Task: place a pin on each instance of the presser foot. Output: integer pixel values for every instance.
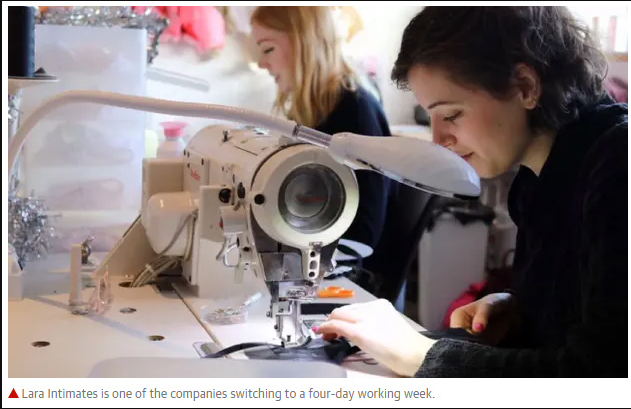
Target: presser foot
(290, 329)
(297, 341)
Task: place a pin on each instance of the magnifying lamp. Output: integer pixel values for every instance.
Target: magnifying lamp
(413, 161)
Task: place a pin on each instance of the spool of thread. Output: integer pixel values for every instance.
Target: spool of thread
(21, 41)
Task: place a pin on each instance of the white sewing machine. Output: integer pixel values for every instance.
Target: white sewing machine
(280, 206)
(277, 197)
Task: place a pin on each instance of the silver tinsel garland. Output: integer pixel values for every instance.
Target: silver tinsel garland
(14, 112)
(108, 17)
(29, 229)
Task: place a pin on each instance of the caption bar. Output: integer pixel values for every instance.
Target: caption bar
(268, 394)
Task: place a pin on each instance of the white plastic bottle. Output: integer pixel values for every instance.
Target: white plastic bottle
(173, 144)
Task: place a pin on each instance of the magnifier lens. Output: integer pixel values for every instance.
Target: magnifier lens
(311, 198)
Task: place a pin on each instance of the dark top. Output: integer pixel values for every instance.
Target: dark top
(570, 272)
(360, 113)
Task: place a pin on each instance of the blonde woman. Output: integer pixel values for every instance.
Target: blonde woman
(317, 88)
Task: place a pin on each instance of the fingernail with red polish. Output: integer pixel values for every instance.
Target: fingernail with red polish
(314, 329)
(478, 327)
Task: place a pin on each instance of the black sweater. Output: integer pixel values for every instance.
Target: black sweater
(360, 113)
(570, 273)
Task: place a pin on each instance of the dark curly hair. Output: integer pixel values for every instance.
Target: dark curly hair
(480, 47)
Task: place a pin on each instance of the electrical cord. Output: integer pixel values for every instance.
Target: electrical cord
(162, 262)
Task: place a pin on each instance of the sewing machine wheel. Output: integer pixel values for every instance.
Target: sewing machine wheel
(311, 198)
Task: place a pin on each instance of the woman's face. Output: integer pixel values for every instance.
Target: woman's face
(492, 135)
(275, 54)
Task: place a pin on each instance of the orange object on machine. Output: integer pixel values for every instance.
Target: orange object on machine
(336, 292)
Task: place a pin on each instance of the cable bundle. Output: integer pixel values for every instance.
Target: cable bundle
(163, 263)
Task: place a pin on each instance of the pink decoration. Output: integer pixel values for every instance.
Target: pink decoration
(203, 27)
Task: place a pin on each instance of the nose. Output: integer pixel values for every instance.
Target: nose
(442, 138)
(264, 62)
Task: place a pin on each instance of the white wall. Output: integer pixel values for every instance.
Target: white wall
(232, 83)
(384, 27)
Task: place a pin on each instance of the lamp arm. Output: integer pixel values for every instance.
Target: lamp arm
(160, 106)
(409, 160)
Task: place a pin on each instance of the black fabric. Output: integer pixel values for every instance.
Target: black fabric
(240, 347)
(316, 350)
(313, 350)
(570, 270)
(360, 113)
(335, 351)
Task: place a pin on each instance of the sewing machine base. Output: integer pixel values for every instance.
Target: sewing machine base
(150, 367)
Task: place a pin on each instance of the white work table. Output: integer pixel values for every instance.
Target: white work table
(77, 343)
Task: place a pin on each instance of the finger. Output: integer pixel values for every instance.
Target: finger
(339, 329)
(380, 304)
(327, 337)
(345, 313)
(460, 318)
(481, 318)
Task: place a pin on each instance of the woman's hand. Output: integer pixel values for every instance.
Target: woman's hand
(490, 317)
(381, 332)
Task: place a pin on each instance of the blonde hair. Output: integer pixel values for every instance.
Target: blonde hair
(319, 69)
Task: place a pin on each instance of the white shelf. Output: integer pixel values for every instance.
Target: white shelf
(17, 84)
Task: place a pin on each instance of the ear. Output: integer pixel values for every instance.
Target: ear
(528, 85)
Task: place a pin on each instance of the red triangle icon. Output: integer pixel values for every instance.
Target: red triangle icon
(13, 394)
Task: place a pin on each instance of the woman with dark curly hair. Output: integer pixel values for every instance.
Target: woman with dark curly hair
(521, 86)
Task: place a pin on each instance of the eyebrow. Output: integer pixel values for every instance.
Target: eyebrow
(263, 39)
(438, 103)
